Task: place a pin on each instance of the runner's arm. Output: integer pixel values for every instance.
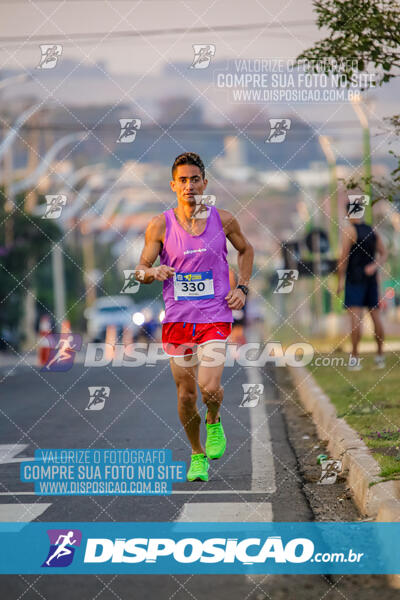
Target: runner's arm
(382, 252)
(152, 248)
(241, 244)
(379, 260)
(349, 238)
(236, 298)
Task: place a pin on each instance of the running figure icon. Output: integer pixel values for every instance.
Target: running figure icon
(65, 349)
(286, 281)
(62, 549)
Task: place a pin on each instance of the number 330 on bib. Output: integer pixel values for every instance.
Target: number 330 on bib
(193, 286)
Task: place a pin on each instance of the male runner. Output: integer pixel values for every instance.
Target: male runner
(362, 254)
(198, 301)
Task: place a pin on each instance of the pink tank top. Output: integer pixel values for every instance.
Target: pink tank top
(197, 292)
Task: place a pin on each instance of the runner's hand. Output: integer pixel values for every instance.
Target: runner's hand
(370, 269)
(162, 272)
(340, 286)
(236, 299)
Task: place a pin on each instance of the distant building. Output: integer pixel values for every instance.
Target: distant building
(233, 165)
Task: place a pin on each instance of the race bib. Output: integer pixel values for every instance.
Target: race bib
(193, 286)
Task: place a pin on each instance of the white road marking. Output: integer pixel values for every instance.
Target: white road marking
(8, 452)
(21, 512)
(17, 494)
(18, 512)
(219, 512)
(262, 459)
(263, 471)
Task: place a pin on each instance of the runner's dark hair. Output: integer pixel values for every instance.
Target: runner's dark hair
(188, 158)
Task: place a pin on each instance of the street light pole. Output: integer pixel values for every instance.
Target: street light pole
(326, 146)
(14, 79)
(362, 117)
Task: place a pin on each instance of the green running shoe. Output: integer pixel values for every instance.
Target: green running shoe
(216, 440)
(198, 468)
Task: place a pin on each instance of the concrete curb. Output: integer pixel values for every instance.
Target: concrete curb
(380, 501)
(344, 443)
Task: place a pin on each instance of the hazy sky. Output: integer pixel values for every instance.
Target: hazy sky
(288, 27)
(35, 18)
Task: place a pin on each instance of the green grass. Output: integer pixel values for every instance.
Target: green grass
(369, 402)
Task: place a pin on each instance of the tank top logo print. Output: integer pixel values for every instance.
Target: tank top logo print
(195, 250)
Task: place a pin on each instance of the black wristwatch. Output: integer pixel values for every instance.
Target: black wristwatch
(244, 289)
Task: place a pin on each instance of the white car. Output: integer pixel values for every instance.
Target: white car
(110, 310)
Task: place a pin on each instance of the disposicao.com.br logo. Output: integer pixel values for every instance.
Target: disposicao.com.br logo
(247, 551)
(191, 547)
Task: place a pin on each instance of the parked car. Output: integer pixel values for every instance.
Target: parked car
(110, 310)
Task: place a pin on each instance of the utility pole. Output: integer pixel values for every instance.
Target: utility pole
(33, 161)
(9, 200)
(58, 282)
(88, 265)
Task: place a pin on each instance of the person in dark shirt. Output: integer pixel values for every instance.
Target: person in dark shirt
(363, 252)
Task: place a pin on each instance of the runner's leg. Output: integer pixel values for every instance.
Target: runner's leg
(355, 313)
(185, 379)
(211, 366)
(379, 333)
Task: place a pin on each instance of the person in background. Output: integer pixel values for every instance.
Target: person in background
(362, 254)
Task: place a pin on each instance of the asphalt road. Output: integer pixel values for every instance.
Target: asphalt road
(262, 476)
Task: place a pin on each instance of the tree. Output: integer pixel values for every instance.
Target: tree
(364, 34)
(31, 245)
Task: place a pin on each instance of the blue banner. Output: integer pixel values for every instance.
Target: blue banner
(215, 548)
